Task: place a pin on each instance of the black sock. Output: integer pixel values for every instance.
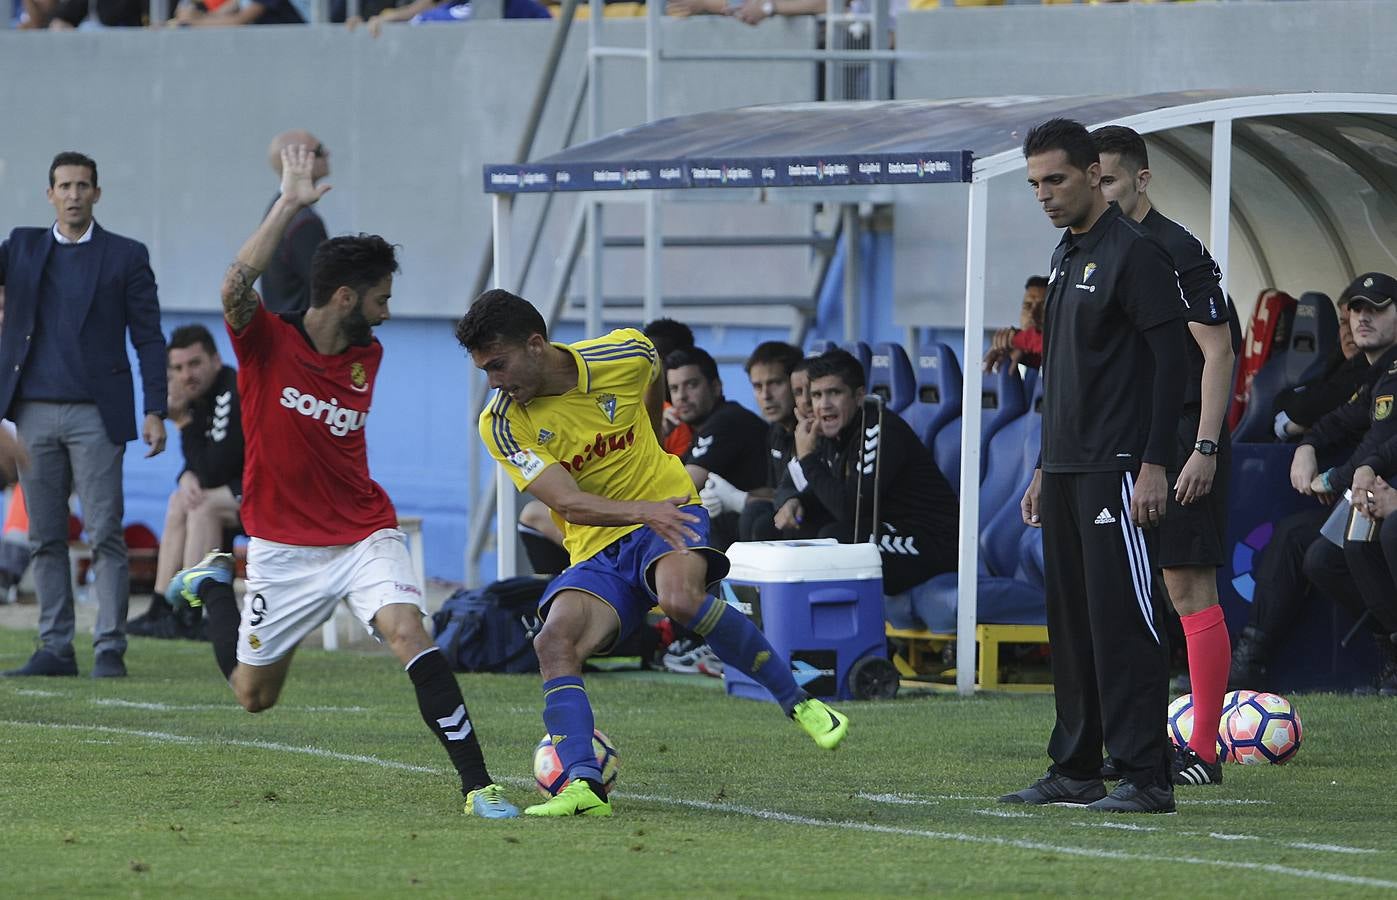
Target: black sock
(444, 710)
(221, 619)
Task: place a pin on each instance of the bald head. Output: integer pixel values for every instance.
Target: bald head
(305, 139)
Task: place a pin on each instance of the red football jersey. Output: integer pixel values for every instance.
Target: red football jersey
(306, 466)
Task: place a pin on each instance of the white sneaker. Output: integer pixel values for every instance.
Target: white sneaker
(682, 656)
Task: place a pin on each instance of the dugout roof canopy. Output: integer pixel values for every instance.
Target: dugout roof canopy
(1334, 154)
(928, 141)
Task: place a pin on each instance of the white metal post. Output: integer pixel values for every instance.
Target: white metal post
(1220, 206)
(595, 223)
(969, 560)
(506, 509)
(654, 223)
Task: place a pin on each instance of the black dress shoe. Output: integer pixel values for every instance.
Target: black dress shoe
(108, 664)
(45, 662)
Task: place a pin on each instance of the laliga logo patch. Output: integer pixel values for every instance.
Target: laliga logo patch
(1382, 407)
(607, 404)
(358, 378)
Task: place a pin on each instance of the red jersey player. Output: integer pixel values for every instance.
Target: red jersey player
(321, 529)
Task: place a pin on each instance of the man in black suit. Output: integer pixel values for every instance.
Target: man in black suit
(72, 294)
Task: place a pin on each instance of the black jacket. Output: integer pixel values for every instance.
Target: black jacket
(917, 511)
(1367, 419)
(212, 442)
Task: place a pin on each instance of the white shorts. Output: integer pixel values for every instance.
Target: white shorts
(293, 590)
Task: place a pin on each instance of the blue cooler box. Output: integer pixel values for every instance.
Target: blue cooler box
(819, 603)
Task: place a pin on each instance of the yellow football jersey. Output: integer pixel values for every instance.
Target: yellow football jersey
(599, 432)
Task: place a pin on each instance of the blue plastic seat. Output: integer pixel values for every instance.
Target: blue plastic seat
(1002, 400)
(891, 376)
(936, 401)
(1314, 336)
(815, 347)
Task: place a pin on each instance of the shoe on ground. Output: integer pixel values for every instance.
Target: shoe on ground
(1190, 768)
(1133, 798)
(682, 656)
(46, 662)
(183, 592)
(1059, 790)
(708, 662)
(825, 725)
(1109, 772)
(108, 664)
(489, 803)
(577, 799)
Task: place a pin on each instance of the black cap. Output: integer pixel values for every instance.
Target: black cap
(1374, 288)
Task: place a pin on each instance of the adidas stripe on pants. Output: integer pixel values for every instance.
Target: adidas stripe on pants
(1109, 649)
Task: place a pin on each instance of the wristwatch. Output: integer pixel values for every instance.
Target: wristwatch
(1206, 447)
(768, 8)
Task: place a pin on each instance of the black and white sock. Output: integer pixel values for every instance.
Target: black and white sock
(444, 710)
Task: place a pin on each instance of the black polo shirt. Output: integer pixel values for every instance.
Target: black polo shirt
(1368, 418)
(780, 447)
(730, 443)
(1107, 287)
(1200, 282)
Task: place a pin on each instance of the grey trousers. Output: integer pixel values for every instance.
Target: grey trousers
(69, 451)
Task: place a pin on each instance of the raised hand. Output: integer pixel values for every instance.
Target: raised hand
(297, 183)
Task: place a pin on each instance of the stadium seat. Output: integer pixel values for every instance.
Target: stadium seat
(1002, 400)
(1009, 457)
(891, 376)
(816, 347)
(937, 383)
(1313, 339)
(863, 354)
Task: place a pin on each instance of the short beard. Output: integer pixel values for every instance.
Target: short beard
(356, 327)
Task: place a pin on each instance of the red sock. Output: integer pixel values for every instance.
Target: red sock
(1209, 656)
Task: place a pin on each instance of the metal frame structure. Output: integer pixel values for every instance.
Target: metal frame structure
(1156, 114)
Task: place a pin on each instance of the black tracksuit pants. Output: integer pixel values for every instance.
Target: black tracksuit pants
(1110, 655)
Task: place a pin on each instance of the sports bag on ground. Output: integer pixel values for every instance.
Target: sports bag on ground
(491, 629)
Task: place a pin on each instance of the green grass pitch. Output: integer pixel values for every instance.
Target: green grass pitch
(160, 786)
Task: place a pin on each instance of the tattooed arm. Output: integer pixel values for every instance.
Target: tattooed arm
(298, 190)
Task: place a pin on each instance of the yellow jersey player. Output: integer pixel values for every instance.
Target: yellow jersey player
(575, 425)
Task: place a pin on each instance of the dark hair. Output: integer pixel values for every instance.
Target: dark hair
(693, 356)
(802, 366)
(1062, 134)
(73, 158)
(355, 261)
(499, 317)
(189, 335)
(837, 362)
(1125, 142)
(668, 335)
(777, 352)
(1035, 281)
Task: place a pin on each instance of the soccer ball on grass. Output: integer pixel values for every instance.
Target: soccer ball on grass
(548, 770)
(1264, 728)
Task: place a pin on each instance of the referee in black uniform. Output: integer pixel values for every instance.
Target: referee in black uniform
(1191, 538)
(1113, 360)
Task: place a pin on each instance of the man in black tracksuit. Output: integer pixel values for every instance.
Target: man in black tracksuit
(1113, 358)
(846, 457)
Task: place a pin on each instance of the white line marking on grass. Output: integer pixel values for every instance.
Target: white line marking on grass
(1330, 848)
(1017, 843)
(764, 814)
(934, 799)
(1120, 826)
(915, 800)
(33, 692)
(233, 742)
(206, 707)
(1003, 814)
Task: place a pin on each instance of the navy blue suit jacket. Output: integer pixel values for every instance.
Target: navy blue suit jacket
(121, 299)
